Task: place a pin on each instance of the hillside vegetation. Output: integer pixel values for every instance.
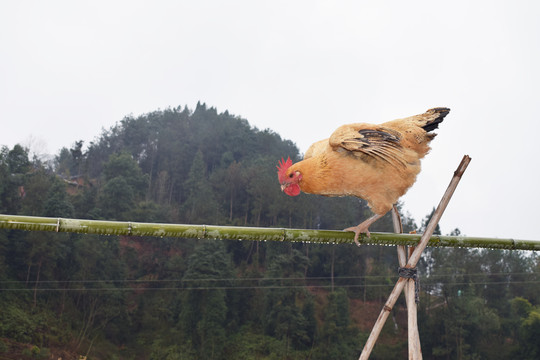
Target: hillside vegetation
(110, 297)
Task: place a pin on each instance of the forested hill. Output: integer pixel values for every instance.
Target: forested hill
(183, 166)
(147, 298)
(196, 166)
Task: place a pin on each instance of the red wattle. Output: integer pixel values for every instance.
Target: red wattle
(292, 190)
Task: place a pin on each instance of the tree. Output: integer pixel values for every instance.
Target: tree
(77, 156)
(36, 187)
(337, 338)
(425, 223)
(200, 205)
(124, 187)
(122, 165)
(205, 308)
(64, 163)
(9, 184)
(229, 182)
(57, 203)
(17, 160)
(288, 314)
(117, 198)
(530, 335)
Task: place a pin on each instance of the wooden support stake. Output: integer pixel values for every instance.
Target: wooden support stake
(415, 351)
(414, 258)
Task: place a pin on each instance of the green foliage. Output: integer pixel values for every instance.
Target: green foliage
(470, 310)
(124, 186)
(289, 309)
(3, 346)
(164, 351)
(57, 203)
(35, 190)
(530, 334)
(200, 204)
(338, 338)
(17, 160)
(425, 223)
(205, 308)
(520, 307)
(21, 323)
(17, 324)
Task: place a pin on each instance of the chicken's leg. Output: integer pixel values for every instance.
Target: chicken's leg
(363, 227)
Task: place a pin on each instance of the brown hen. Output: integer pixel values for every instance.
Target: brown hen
(378, 163)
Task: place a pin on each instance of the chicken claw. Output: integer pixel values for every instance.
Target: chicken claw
(359, 229)
(363, 227)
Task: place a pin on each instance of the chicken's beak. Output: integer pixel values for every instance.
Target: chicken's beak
(283, 187)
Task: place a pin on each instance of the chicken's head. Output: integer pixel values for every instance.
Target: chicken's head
(288, 177)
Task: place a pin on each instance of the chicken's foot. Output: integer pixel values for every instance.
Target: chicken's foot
(363, 227)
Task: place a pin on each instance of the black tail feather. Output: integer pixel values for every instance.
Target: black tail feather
(434, 124)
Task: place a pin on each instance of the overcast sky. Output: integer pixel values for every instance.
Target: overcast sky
(301, 68)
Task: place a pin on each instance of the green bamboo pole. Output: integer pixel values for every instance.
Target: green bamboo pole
(129, 228)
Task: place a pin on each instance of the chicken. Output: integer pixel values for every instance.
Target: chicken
(377, 163)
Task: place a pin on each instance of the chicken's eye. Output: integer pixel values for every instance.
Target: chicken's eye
(291, 175)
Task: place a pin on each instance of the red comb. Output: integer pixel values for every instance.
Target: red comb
(282, 168)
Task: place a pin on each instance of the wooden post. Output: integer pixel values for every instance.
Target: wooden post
(415, 351)
(414, 258)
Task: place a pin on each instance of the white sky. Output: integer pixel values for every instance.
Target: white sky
(302, 68)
